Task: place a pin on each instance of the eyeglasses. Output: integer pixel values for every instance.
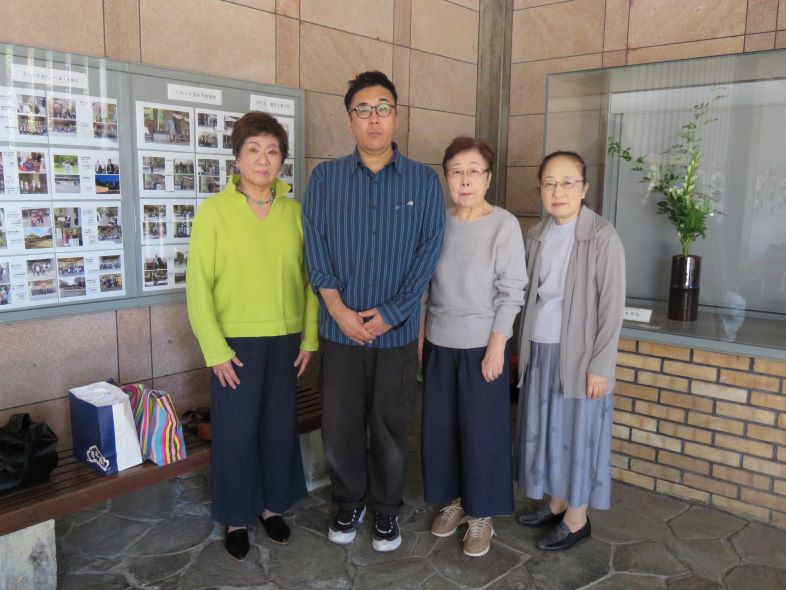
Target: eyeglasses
(364, 111)
(549, 185)
(472, 173)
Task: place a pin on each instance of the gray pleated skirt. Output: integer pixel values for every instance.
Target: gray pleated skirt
(563, 445)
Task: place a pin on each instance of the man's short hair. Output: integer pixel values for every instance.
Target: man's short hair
(258, 123)
(367, 80)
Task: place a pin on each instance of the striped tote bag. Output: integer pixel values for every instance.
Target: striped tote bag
(159, 428)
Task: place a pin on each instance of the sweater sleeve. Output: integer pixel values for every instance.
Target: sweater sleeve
(200, 280)
(611, 304)
(310, 340)
(510, 268)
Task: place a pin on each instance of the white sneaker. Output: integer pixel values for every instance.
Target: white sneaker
(387, 536)
(345, 525)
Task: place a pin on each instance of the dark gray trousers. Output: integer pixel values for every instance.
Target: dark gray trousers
(256, 460)
(368, 395)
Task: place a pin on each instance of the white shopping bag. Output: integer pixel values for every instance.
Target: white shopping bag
(103, 428)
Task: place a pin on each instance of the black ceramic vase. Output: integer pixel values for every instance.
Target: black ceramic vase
(684, 288)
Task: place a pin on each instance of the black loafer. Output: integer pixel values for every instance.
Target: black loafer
(236, 543)
(561, 538)
(541, 516)
(276, 528)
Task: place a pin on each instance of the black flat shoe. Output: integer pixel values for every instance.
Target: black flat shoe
(276, 528)
(236, 543)
(561, 538)
(541, 516)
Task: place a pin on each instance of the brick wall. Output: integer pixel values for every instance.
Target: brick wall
(702, 425)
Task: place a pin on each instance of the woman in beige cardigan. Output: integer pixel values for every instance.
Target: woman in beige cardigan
(568, 347)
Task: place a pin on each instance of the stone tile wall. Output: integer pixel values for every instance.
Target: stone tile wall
(702, 425)
(429, 47)
(551, 36)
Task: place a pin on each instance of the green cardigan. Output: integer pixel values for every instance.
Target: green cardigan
(247, 277)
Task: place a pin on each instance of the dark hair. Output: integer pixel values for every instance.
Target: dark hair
(465, 143)
(367, 80)
(566, 154)
(257, 123)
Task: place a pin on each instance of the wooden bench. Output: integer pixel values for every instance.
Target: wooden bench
(74, 485)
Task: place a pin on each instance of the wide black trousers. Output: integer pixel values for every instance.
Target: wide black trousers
(256, 460)
(466, 439)
(368, 395)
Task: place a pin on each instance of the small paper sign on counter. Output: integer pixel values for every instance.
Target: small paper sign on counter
(637, 314)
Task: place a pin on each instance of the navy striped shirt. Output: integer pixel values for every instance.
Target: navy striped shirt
(375, 238)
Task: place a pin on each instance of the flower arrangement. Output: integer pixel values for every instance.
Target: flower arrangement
(686, 207)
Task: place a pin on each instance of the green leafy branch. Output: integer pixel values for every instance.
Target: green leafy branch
(686, 207)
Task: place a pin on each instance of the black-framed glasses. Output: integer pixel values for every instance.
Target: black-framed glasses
(566, 184)
(363, 111)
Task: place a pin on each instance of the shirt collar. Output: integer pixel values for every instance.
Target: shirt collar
(396, 160)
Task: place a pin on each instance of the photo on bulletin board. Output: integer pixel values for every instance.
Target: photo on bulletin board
(214, 130)
(32, 171)
(164, 126)
(289, 126)
(209, 176)
(166, 174)
(87, 173)
(75, 119)
(31, 115)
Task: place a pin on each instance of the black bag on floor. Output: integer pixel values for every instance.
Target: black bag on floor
(28, 452)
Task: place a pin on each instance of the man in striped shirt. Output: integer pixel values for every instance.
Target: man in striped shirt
(373, 222)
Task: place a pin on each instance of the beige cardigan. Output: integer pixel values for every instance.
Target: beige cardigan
(593, 306)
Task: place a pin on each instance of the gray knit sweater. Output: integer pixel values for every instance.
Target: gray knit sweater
(478, 285)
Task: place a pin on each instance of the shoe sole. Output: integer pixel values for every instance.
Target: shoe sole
(449, 533)
(341, 538)
(555, 549)
(384, 545)
(481, 554)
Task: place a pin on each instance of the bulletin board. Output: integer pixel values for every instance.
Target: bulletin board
(103, 165)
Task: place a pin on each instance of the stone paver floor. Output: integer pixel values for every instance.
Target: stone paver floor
(162, 538)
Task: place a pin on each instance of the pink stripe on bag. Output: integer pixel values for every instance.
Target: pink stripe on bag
(159, 428)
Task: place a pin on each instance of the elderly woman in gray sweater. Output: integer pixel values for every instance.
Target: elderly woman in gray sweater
(570, 329)
(475, 294)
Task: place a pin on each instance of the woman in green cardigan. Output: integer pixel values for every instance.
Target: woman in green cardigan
(254, 315)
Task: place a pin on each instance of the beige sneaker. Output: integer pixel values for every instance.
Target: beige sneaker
(477, 541)
(448, 519)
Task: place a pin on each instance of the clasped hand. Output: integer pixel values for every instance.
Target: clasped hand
(361, 326)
